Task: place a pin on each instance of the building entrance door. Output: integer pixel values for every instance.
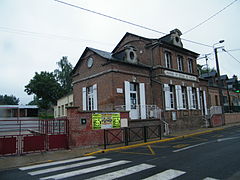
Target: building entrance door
(134, 112)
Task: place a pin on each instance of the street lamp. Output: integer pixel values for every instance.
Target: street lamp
(218, 73)
(216, 57)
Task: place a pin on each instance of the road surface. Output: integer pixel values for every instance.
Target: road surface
(209, 156)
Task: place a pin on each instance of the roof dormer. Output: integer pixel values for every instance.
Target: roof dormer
(173, 38)
(130, 54)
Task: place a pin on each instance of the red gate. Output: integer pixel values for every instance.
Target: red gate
(19, 136)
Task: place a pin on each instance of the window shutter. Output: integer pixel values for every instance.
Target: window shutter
(205, 102)
(198, 99)
(180, 97)
(177, 96)
(167, 97)
(190, 99)
(84, 98)
(95, 97)
(142, 100)
(127, 95)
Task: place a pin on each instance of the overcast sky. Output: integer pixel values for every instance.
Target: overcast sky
(35, 34)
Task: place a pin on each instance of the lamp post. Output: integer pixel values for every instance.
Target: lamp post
(218, 74)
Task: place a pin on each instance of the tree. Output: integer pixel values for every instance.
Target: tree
(63, 75)
(46, 89)
(8, 100)
(203, 70)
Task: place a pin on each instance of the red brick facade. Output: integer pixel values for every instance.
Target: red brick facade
(160, 82)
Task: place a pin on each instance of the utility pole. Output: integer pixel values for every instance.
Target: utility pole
(218, 75)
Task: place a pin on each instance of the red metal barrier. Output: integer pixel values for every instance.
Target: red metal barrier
(19, 136)
(59, 141)
(8, 145)
(33, 143)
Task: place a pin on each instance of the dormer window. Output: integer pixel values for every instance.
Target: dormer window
(131, 55)
(168, 59)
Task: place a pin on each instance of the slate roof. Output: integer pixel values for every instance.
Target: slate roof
(104, 54)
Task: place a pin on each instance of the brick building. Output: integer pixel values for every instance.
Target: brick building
(142, 75)
(231, 99)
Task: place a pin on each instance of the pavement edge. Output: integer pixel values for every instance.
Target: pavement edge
(152, 142)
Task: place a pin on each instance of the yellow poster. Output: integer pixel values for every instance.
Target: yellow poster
(106, 120)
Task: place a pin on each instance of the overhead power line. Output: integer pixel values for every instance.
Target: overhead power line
(231, 56)
(210, 17)
(46, 35)
(126, 22)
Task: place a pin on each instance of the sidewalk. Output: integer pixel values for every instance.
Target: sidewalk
(8, 162)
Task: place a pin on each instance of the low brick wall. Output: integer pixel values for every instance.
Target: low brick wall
(144, 122)
(184, 123)
(231, 118)
(82, 134)
(217, 120)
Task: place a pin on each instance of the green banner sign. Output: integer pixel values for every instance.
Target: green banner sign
(106, 120)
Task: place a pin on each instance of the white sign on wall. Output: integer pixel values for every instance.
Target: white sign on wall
(119, 90)
(124, 122)
(180, 75)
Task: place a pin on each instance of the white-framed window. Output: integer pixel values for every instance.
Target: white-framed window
(180, 63)
(171, 96)
(194, 98)
(90, 101)
(190, 65)
(184, 97)
(89, 98)
(168, 59)
(62, 107)
(59, 111)
(133, 95)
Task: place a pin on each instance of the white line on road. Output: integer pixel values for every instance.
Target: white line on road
(209, 178)
(225, 139)
(196, 145)
(86, 170)
(189, 147)
(166, 175)
(123, 172)
(48, 170)
(56, 163)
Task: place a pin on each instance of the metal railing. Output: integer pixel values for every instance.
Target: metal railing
(231, 109)
(152, 111)
(166, 128)
(131, 134)
(215, 110)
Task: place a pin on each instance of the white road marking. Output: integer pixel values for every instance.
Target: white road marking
(196, 145)
(86, 170)
(123, 172)
(166, 175)
(189, 147)
(48, 170)
(209, 178)
(56, 163)
(225, 139)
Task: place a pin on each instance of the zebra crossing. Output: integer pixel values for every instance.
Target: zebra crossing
(80, 167)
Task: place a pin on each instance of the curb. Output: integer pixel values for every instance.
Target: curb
(152, 142)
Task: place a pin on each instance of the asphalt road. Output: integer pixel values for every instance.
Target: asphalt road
(209, 156)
